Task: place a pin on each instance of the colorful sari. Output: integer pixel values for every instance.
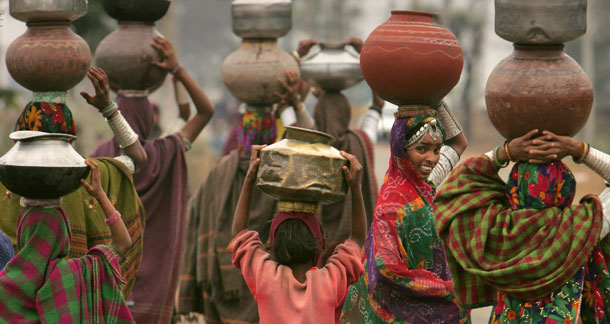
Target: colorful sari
(39, 285)
(512, 256)
(87, 220)
(406, 277)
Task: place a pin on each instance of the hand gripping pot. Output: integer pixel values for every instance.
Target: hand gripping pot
(42, 165)
(302, 167)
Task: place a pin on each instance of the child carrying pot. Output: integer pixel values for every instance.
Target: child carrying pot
(285, 283)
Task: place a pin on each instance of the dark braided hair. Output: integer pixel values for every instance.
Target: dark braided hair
(293, 243)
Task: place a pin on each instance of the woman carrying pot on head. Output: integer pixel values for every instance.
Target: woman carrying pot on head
(522, 245)
(84, 212)
(406, 275)
(41, 285)
(162, 186)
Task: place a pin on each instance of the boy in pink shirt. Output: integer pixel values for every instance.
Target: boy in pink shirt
(285, 283)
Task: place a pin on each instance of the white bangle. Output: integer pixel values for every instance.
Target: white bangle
(122, 131)
(599, 162)
(450, 124)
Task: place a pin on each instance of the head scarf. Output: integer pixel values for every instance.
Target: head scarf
(406, 274)
(540, 186)
(46, 117)
(257, 128)
(311, 220)
(161, 185)
(6, 250)
(40, 285)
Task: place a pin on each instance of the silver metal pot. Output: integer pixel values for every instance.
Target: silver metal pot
(42, 165)
(334, 67)
(541, 21)
(302, 167)
(47, 10)
(261, 18)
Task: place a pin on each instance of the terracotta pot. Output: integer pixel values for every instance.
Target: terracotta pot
(136, 10)
(47, 10)
(251, 73)
(538, 87)
(48, 57)
(125, 55)
(540, 21)
(412, 59)
(261, 18)
(302, 167)
(334, 67)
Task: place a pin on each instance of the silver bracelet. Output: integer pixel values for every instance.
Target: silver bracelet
(448, 160)
(122, 131)
(599, 162)
(450, 124)
(605, 199)
(128, 162)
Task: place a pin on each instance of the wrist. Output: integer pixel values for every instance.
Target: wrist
(175, 70)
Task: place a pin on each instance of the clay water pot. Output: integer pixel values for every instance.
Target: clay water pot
(261, 18)
(47, 10)
(538, 87)
(251, 73)
(412, 59)
(302, 167)
(136, 10)
(42, 165)
(125, 55)
(334, 67)
(49, 56)
(540, 21)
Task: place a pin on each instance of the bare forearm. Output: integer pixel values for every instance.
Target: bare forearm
(118, 231)
(358, 217)
(459, 143)
(205, 108)
(242, 211)
(136, 152)
(184, 111)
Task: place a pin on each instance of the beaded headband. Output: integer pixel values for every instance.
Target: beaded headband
(430, 128)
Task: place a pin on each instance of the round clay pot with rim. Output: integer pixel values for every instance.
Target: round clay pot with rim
(136, 10)
(49, 56)
(412, 59)
(251, 73)
(125, 55)
(540, 21)
(538, 87)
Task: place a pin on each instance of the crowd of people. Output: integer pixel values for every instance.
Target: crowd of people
(438, 239)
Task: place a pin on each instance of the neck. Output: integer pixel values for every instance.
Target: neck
(299, 270)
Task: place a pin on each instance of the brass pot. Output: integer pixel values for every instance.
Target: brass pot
(125, 55)
(47, 10)
(303, 167)
(42, 165)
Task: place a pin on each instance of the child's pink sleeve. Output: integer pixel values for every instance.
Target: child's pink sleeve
(249, 255)
(344, 267)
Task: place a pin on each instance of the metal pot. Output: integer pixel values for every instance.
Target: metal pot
(334, 67)
(47, 10)
(136, 10)
(125, 55)
(42, 165)
(261, 18)
(302, 167)
(251, 73)
(541, 21)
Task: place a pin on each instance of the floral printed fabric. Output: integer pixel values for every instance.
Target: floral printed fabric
(540, 186)
(257, 128)
(46, 117)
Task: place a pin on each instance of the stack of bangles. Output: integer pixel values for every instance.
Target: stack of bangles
(585, 151)
(114, 218)
(109, 110)
(506, 150)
